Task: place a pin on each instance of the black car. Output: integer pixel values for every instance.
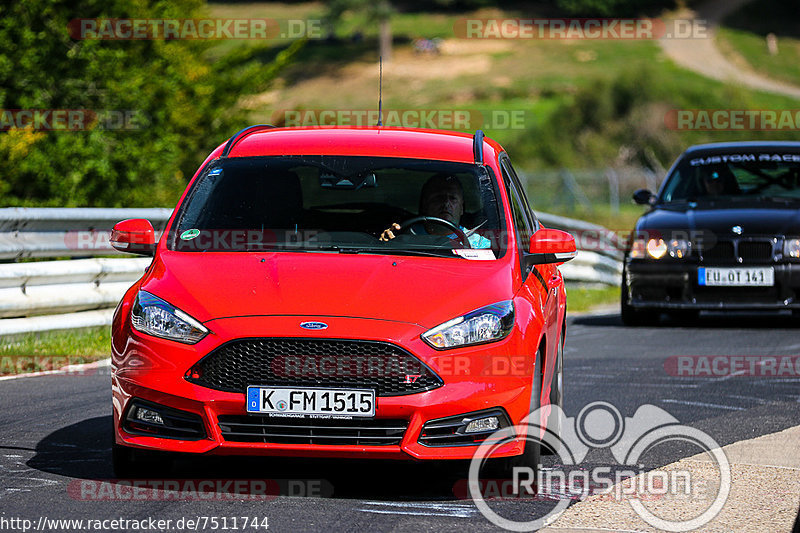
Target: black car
(723, 233)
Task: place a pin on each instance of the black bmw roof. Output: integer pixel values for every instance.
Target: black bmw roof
(748, 145)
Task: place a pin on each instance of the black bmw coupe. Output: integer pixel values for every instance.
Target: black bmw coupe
(722, 233)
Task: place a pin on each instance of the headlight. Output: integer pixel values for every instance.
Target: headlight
(791, 248)
(656, 248)
(156, 317)
(487, 324)
(678, 248)
(638, 249)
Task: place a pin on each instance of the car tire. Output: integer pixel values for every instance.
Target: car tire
(631, 316)
(134, 463)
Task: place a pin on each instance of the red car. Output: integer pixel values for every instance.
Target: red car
(340, 292)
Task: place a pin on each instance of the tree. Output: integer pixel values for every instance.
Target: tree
(379, 12)
(178, 103)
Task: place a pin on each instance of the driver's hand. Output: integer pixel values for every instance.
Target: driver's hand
(388, 234)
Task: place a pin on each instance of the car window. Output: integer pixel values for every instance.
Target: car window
(734, 177)
(323, 203)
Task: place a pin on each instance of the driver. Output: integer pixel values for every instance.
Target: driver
(442, 197)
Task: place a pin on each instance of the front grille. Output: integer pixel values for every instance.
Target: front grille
(753, 251)
(368, 432)
(730, 252)
(384, 367)
(719, 252)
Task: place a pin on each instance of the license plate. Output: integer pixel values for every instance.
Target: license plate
(736, 277)
(311, 401)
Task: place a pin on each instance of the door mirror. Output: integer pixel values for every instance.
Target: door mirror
(644, 197)
(551, 246)
(135, 236)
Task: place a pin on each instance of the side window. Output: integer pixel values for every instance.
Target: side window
(522, 224)
(506, 162)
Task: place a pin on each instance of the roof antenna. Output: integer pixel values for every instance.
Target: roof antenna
(380, 91)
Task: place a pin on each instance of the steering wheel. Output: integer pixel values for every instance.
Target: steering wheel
(408, 226)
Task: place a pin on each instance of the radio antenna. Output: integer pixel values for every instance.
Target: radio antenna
(380, 90)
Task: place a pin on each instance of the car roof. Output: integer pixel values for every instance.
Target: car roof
(411, 143)
(729, 146)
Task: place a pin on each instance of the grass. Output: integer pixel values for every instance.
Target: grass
(581, 298)
(752, 48)
(52, 350)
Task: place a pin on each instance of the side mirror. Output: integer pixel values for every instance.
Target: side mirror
(135, 236)
(644, 197)
(551, 246)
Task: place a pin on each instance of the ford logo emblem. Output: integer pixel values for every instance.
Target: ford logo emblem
(314, 325)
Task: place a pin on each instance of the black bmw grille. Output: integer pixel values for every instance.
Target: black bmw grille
(755, 251)
(367, 432)
(384, 367)
(729, 252)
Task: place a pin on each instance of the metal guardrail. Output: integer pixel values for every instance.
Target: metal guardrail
(66, 232)
(74, 293)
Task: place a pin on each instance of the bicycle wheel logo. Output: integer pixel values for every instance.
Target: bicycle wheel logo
(600, 425)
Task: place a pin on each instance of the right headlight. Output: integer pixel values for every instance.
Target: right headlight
(487, 324)
(791, 248)
(154, 316)
(659, 248)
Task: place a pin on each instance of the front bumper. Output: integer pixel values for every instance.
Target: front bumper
(672, 285)
(153, 370)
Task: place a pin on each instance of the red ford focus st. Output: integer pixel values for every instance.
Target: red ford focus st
(340, 292)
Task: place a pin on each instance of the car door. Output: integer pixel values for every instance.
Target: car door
(542, 282)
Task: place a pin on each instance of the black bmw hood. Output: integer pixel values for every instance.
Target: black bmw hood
(718, 219)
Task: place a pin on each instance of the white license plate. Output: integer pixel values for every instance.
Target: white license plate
(311, 401)
(736, 277)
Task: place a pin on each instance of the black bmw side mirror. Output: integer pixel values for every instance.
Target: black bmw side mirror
(644, 197)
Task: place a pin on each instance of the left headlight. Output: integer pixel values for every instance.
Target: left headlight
(154, 316)
(487, 324)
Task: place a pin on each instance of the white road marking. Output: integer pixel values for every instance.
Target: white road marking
(703, 404)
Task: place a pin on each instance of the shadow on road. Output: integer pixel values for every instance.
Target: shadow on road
(83, 451)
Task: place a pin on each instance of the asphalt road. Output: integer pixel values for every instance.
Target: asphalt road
(55, 444)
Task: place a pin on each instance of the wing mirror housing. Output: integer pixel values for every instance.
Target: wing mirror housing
(551, 246)
(134, 236)
(644, 197)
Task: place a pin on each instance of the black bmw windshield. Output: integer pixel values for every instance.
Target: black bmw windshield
(339, 204)
(733, 177)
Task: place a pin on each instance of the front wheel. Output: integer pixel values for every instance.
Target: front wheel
(136, 463)
(631, 316)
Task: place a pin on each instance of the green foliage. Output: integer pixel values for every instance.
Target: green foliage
(181, 103)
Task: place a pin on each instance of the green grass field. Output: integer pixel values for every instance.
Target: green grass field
(52, 350)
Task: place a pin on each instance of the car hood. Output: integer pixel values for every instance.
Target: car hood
(420, 290)
(718, 219)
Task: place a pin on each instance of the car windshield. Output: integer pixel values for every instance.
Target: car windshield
(734, 176)
(341, 204)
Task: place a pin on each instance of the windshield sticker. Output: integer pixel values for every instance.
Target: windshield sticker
(742, 158)
(215, 172)
(190, 234)
(475, 254)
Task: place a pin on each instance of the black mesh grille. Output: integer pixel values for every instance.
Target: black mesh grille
(369, 432)
(384, 367)
(720, 252)
(751, 251)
